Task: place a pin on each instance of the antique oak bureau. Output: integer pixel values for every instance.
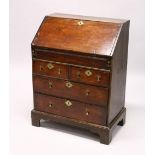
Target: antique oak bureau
(79, 72)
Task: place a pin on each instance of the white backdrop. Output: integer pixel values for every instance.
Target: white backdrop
(25, 18)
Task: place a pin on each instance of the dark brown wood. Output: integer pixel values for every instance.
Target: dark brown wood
(80, 92)
(69, 58)
(78, 110)
(50, 69)
(79, 72)
(118, 74)
(99, 78)
(88, 37)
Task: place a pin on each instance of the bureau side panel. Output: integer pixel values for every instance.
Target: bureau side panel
(118, 74)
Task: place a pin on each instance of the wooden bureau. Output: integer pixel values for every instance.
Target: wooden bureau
(79, 69)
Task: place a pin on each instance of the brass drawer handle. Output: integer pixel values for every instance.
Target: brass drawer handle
(87, 112)
(88, 72)
(50, 66)
(78, 75)
(69, 84)
(50, 104)
(59, 71)
(87, 92)
(50, 84)
(98, 77)
(68, 103)
(109, 62)
(41, 68)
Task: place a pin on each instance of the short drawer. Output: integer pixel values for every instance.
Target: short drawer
(70, 109)
(72, 90)
(90, 76)
(50, 69)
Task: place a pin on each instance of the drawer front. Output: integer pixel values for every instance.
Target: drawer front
(50, 69)
(89, 76)
(72, 90)
(70, 109)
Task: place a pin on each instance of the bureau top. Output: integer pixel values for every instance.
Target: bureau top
(79, 34)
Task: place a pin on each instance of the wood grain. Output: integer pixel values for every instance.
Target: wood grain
(56, 70)
(78, 110)
(64, 33)
(99, 78)
(96, 95)
(81, 61)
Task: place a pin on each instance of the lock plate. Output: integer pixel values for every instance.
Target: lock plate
(69, 84)
(68, 103)
(88, 72)
(50, 66)
(80, 23)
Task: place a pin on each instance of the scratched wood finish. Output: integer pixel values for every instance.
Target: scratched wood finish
(78, 110)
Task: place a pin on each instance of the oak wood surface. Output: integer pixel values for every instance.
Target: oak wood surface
(50, 69)
(96, 95)
(89, 37)
(118, 74)
(71, 58)
(78, 110)
(82, 60)
(99, 78)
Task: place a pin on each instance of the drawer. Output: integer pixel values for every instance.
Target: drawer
(89, 76)
(50, 69)
(70, 109)
(72, 90)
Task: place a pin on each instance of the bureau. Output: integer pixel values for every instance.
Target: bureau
(79, 69)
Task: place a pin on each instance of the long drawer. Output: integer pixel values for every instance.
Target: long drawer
(63, 88)
(70, 109)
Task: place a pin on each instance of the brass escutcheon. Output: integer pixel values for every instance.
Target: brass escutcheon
(50, 66)
(68, 103)
(80, 23)
(69, 84)
(88, 72)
